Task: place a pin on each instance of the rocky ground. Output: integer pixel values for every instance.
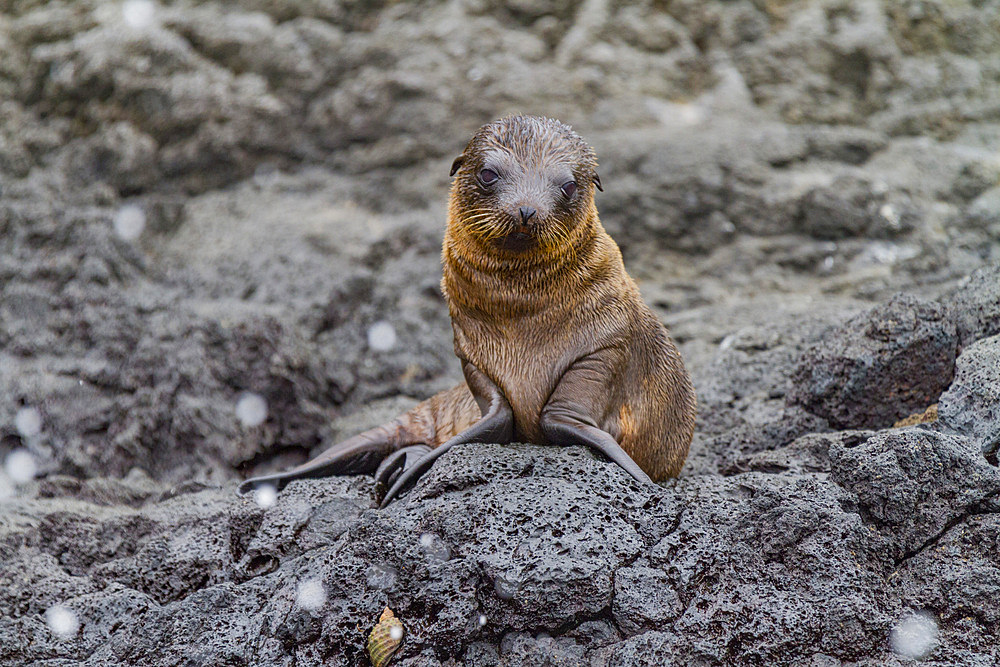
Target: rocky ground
(204, 201)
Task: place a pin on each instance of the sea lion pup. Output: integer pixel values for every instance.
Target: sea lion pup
(556, 345)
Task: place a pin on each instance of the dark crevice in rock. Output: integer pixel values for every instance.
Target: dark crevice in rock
(979, 509)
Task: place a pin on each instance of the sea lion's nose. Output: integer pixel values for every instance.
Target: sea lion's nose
(526, 213)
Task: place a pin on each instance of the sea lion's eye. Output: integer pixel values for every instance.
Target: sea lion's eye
(568, 189)
(488, 177)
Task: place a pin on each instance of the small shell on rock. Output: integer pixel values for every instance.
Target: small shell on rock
(385, 639)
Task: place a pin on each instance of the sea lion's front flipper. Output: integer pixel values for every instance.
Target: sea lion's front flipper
(360, 455)
(496, 425)
(567, 418)
(568, 429)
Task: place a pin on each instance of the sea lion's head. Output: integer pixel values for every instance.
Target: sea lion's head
(523, 183)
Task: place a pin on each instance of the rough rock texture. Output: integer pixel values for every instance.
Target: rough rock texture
(972, 403)
(913, 483)
(879, 366)
(200, 201)
(975, 302)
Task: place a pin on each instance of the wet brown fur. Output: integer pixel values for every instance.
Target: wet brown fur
(525, 316)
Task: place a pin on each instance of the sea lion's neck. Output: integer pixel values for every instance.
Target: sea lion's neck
(479, 277)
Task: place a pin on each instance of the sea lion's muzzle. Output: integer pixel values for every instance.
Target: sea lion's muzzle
(521, 238)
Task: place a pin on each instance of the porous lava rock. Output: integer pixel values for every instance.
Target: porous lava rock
(879, 366)
(201, 201)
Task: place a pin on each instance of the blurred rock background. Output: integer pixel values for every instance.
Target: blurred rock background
(204, 201)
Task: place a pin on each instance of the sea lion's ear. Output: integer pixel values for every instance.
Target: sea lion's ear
(597, 182)
(456, 164)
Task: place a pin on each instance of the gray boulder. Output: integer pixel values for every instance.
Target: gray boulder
(971, 405)
(976, 305)
(880, 366)
(914, 483)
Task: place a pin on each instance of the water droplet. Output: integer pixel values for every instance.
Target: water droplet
(28, 422)
(265, 495)
(482, 620)
(310, 594)
(62, 621)
(381, 336)
(434, 547)
(690, 114)
(20, 466)
(381, 576)
(138, 13)
(396, 632)
(251, 410)
(504, 589)
(915, 635)
(130, 220)
(889, 213)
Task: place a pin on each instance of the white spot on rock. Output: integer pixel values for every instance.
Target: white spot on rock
(310, 594)
(505, 590)
(251, 409)
(381, 576)
(381, 336)
(62, 621)
(884, 252)
(915, 635)
(690, 114)
(130, 220)
(265, 495)
(888, 212)
(20, 466)
(434, 547)
(482, 620)
(138, 14)
(28, 422)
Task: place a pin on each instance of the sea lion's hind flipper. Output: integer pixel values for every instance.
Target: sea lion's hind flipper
(360, 455)
(378, 450)
(394, 465)
(496, 425)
